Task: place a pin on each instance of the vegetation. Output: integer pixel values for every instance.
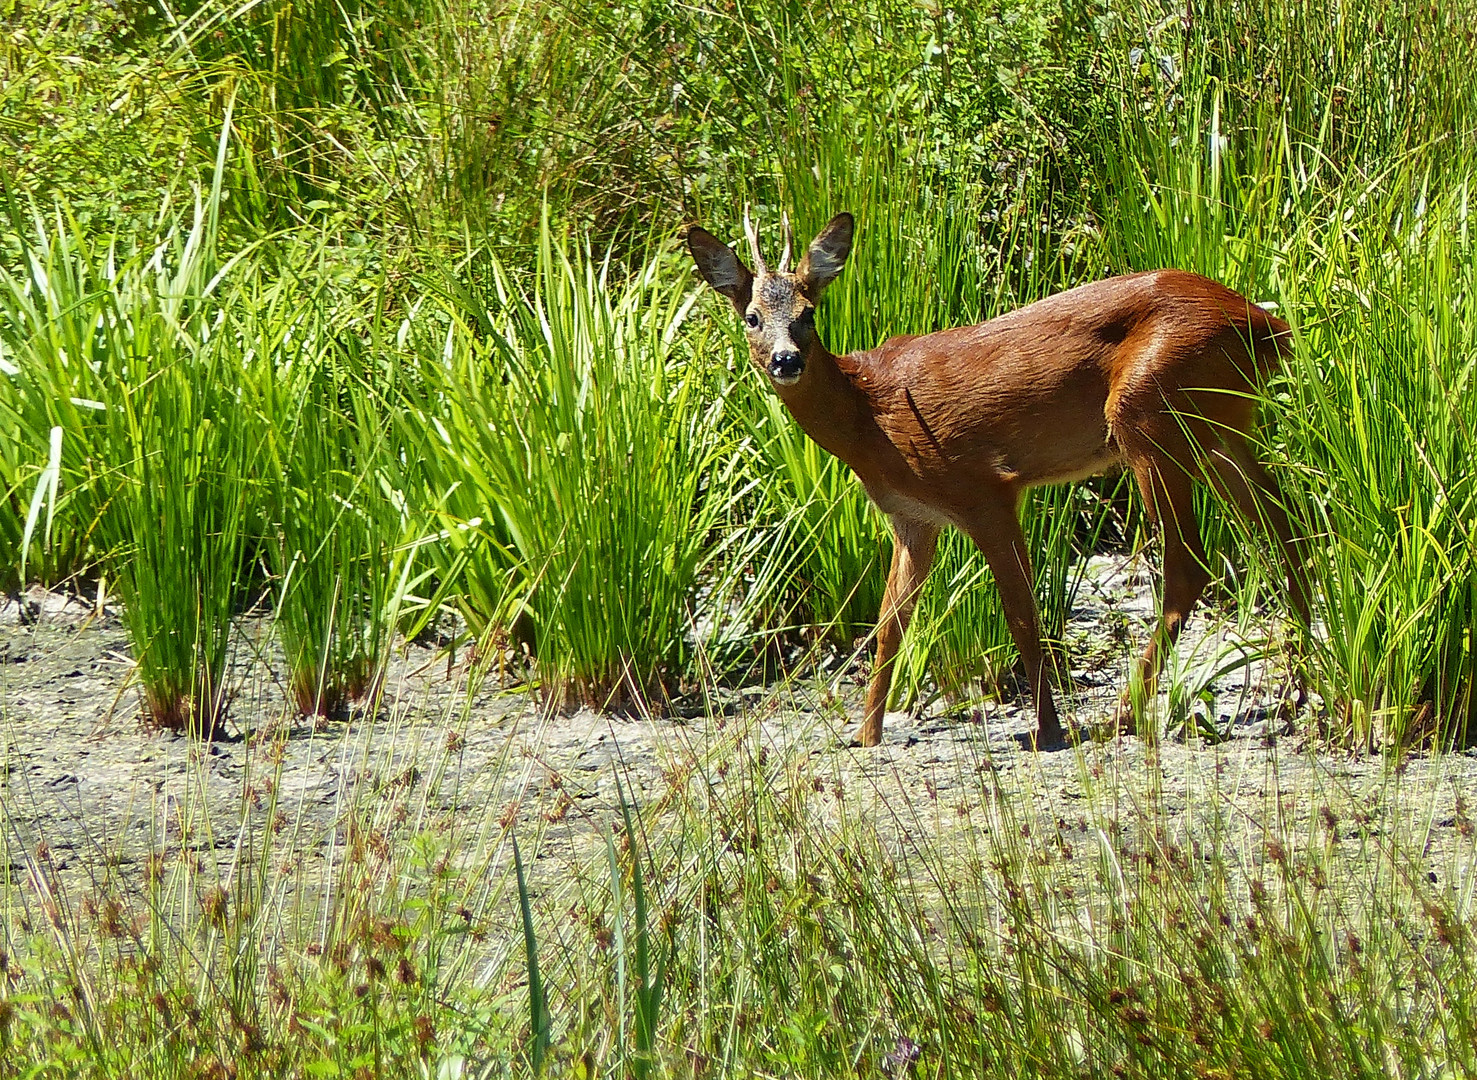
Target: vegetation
(763, 916)
(373, 317)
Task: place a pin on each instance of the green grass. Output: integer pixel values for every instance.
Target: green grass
(372, 319)
(341, 547)
(124, 354)
(1393, 493)
(554, 432)
(571, 427)
(762, 910)
(550, 430)
(1349, 210)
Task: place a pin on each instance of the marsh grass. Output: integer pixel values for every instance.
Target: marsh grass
(341, 543)
(124, 352)
(47, 344)
(583, 458)
(759, 909)
(174, 530)
(1399, 575)
(826, 563)
(576, 434)
(1336, 207)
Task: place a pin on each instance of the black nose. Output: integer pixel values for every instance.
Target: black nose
(786, 366)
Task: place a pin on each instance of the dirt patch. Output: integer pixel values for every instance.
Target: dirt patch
(86, 792)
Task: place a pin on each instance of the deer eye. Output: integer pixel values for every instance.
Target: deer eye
(752, 318)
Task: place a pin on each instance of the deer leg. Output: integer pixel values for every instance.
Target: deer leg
(1243, 479)
(1000, 539)
(914, 544)
(1167, 495)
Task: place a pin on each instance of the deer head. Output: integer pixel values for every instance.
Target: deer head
(777, 306)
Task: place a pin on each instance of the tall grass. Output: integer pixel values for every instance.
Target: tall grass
(1335, 203)
(1384, 407)
(339, 556)
(322, 95)
(826, 562)
(125, 352)
(201, 423)
(31, 478)
(37, 300)
(570, 426)
(1224, 153)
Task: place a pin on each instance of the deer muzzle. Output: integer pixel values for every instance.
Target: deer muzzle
(785, 368)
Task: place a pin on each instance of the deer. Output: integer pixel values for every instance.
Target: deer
(1158, 372)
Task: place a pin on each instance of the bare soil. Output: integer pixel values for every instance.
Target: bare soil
(87, 792)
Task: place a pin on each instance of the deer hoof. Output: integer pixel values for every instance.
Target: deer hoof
(1047, 742)
(1124, 721)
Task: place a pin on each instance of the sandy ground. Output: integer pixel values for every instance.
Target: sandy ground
(89, 792)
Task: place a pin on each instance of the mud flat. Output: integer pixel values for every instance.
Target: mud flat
(88, 794)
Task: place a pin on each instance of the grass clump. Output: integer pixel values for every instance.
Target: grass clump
(340, 555)
(1383, 402)
(129, 356)
(572, 429)
(1338, 206)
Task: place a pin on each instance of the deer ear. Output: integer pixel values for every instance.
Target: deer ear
(826, 255)
(720, 267)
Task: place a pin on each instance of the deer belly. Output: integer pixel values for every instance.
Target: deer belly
(1060, 454)
(1070, 469)
(890, 501)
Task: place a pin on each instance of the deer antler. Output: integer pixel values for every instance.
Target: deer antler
(749, 231)
(784, 267)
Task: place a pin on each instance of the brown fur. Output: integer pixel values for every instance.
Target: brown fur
(1157, 372)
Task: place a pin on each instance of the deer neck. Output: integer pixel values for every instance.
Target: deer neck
(831, 407)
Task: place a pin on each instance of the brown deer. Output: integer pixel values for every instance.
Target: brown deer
(1156, 371)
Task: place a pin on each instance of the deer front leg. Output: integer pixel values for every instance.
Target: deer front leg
(998, 536)
(914, 544)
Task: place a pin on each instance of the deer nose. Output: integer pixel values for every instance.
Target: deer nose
(785, 367)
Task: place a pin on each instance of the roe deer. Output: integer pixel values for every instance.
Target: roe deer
(1155, 371)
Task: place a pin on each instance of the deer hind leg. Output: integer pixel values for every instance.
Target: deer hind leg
(1239, 476)
(998, 536)
(1167, 492)
(914, 544)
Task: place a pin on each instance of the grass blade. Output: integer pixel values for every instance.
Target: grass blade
(538, 1005)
